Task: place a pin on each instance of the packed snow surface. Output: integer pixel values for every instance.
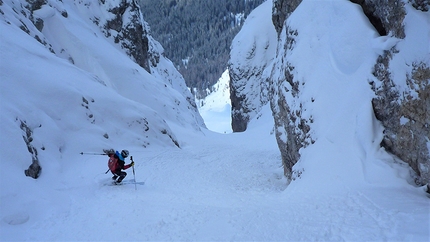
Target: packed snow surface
(215, 187)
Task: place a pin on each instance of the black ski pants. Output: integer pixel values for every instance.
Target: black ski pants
(120, 174)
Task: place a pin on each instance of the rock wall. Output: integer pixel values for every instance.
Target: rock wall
(289, 136)
(128, 29)
(281, 10)
(252, 52)
(385, 15)
(404, 112)
(405, 115)
(292, 131)
(402, 91)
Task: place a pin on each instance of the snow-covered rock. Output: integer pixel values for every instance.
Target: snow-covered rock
(72, 69)
(381, 43)
(402, 85)
(281, 10)
(252, 52)
(71, 89)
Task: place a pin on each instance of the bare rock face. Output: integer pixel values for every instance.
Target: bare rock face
(239, 110)
(405, 114)
(281, 10)
(127, 26)
(422, 5)
(32, 6)
(34, 169)
(385, 15)
(248, 88)
(250, 65)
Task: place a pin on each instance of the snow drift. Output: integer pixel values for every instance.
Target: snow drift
(216, 187)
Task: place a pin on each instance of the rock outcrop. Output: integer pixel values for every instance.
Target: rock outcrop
(401, 102)
(405, 114)
(291, 130)
(34, 169)
(249, 67)
(281, 10)
(129, 30)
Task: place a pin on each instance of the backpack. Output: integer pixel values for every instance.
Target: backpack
(113, 163)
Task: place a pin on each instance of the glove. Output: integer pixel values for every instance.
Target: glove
(132, 163)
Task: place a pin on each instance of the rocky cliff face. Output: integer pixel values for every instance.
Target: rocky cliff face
(400, 82)
(281, 10)
(404, 112)
(128, 29)
(249, 67)
(291, 130)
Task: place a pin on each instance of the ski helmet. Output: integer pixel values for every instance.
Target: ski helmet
(124, 153)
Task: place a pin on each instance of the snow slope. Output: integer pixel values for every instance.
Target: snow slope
(216, 107)
(216, 187)
(88, 87)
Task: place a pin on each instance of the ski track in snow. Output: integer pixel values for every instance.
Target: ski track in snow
(217, 187)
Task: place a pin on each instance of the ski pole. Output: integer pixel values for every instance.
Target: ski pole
(88, 153)
(134, 175)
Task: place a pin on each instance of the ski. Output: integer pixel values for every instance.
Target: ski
(125, 182)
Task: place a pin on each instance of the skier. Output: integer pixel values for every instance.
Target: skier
(116, 164)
